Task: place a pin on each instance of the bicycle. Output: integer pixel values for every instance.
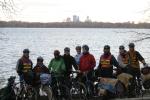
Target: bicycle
(9, 92)
(90, 88)
(60, 90)
(135, 86)
(77, 89)
(26, 92)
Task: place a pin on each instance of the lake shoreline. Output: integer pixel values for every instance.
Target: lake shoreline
(20, 24)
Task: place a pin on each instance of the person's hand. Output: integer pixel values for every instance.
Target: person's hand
(145, 65)
(78, 71)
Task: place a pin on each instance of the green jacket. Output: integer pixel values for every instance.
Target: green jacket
(57, 66)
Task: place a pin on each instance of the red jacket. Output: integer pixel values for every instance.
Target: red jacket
(87, 62)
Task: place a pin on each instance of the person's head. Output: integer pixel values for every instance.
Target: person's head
(40, 60)
(85, 49)
(26, 53)
(106, 49)
(67, 50)
(56, 54)
(131, 46)
(121, 49)
(78, 49)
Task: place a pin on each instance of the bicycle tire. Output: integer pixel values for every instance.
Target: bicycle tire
(78, 91)
(89, 86)
(61, 92)
(27, 95)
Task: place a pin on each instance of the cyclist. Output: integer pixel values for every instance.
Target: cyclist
(24, 67)
(57, 66)
(86, 67)
(106, 63)
(78, 55)
(69, 62)
(134, 66)
(87, 62)
(41, 70)
(123, 58)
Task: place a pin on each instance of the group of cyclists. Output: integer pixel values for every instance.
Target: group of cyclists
(83, 62)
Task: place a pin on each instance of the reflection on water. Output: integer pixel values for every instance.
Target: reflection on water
(43, 41)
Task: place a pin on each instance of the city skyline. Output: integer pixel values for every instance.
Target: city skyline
(97, 10)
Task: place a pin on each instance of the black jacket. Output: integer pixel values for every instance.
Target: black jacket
(69, 62)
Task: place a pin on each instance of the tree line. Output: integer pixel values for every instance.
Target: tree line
(72, 24)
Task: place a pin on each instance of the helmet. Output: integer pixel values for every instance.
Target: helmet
(86, 47)
(11, 80)
(40, 59)
(106, 47)
(78, 47)
(121, 47)
(56, 52)
(145, 70)
(131, 45)
(26, 51)
(67, 49)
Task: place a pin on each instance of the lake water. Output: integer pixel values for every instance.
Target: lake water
(43, 41)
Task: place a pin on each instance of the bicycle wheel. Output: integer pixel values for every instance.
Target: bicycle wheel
(120, 89)
(139, 90)
(90, 89)
(31, 93)
(28, 94)
(47, 89)
(78, 91)
(61, 92)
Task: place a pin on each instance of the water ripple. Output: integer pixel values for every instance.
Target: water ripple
(44, 41)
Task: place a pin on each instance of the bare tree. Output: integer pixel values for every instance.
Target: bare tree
(7, 7)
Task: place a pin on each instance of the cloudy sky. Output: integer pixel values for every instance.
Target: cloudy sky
(97, 10)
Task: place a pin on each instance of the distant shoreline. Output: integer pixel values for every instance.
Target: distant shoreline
(19, 24)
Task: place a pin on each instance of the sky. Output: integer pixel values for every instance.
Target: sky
(97, 10)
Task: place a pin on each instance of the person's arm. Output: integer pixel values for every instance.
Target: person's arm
(46, 70)
(121, 64)
(74, 64)
(93, 62)
(114, 62)
(99, 65)
(141, 59)
(19, 67)
(31, 65)
(98, 69)
(50, 65)
(63, 65)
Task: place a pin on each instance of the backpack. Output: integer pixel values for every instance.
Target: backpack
(45, 79)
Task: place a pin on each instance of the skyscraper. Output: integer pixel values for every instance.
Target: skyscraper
(76, 18)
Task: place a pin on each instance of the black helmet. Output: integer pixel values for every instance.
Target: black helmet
(131, 45)
(67, 49)
(40, 59)
(56, 52)
(78, 47)
(86, 47)
(121, 47)
(26, 51)
(106, 47)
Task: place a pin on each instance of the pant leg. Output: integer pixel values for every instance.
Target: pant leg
(138, 75)
(48, 91)
(37, 89)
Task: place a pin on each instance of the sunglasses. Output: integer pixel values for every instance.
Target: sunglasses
(67, 51)
(25, 52)
(121, 48)
(131, 46)
(40, 61)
